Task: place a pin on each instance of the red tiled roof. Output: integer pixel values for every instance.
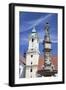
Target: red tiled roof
(54, 61)
(22, 59)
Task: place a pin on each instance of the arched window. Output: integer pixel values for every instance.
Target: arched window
(31, 63)
(31, 55)
(32, 39)
(31, 76)
(31, 70)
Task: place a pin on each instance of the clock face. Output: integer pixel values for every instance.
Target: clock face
(47, 45)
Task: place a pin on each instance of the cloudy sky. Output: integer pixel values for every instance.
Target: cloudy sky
(29, 20)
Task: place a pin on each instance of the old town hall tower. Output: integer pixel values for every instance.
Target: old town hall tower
(32, 55)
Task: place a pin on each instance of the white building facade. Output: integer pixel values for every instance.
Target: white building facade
(32, 55)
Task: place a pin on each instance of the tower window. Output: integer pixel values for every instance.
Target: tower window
(31, 76)
(32, 40)
(31, 55)
(31, 63)
(31, 70)
(31, 49)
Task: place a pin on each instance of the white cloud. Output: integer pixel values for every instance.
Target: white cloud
(34, 23)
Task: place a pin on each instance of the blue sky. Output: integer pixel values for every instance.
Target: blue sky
(28, 20)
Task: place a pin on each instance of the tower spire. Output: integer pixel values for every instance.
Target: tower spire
(47, 33)
(47, 29)
(48, 69)
(33, 30)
